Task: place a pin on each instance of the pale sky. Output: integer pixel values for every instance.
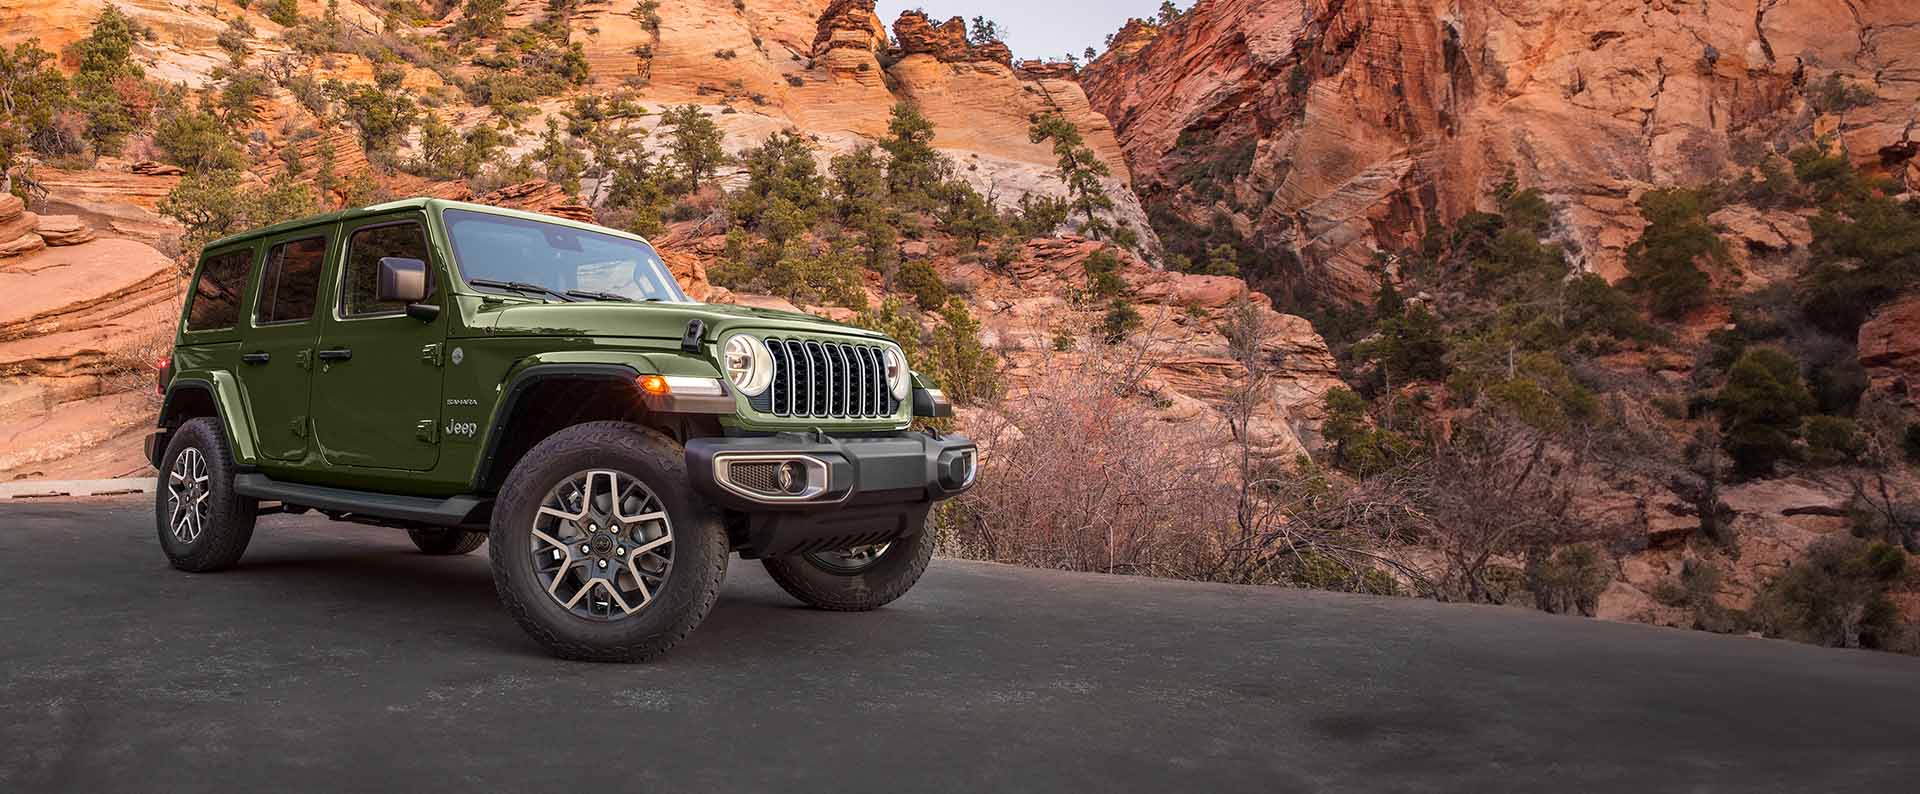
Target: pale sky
(1038, 28)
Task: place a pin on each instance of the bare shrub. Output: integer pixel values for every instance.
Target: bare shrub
(1078, 474)
(1504, 490)
(135, 365)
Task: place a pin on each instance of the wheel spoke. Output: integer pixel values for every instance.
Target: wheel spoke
(582, 543)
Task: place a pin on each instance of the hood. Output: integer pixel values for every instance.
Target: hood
(652, 320)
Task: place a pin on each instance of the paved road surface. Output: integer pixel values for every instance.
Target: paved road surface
(335, 658)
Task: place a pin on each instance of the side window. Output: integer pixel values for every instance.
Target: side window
(365, 249)
(290, 281)
(216, 296)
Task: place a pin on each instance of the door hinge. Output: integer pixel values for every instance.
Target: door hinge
(431, 354)
(304, 358)
(427, 430)
(298, 425)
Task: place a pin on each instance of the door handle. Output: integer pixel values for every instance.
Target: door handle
(256, 357)
(337, 354)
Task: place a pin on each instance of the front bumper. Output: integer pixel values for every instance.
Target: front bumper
(839, 492)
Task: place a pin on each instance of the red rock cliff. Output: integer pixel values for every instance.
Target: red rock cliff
(1331, 128)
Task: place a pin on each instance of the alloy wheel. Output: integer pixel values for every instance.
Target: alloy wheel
(602, 545)
(188, 489)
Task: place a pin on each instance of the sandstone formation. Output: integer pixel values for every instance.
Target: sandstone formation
(947, 41)
(1890, 350)
(63, 230)
(1332, 130)
(539, 196)
(17, 226)
(80, 334)
(1189, 372)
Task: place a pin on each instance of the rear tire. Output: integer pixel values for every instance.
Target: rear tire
(446, 541)
(823, 583)
(534, 585)
(204, 526)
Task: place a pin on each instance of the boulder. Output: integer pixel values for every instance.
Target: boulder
(64, 230)
(1889, 345)
(22, 245)
(20, 224)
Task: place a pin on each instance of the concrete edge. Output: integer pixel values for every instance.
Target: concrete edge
(47, 489)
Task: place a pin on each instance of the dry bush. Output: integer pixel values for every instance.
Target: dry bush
(1078, 474)
(134, 366)
(1502, 490)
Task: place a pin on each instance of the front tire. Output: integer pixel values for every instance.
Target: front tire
(601, 552)
(855, 580)
(446, 541)
(204, 525)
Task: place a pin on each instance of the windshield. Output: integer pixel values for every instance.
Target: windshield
(498, 248)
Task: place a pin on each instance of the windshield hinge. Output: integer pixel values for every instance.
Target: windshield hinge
(427, 430)
(431, 354)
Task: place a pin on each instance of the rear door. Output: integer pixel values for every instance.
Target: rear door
(277, 354)
(377, 394)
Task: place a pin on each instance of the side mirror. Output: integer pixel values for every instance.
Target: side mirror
(402, 280)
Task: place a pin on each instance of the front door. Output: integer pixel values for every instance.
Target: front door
(277, 354)
(377, 391)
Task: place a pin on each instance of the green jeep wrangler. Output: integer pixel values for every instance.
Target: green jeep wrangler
(474, 374)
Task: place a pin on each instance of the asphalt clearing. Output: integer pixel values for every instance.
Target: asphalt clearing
(335, 657)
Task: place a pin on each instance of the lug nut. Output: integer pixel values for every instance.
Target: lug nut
(620, 551)
(603, 563)
(586, 549)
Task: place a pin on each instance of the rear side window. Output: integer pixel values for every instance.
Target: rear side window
(365, 249)
(216, 296)
(290, 281)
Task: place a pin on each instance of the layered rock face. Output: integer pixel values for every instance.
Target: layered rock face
(1332, 129)
(80, 332)
(1890, 350)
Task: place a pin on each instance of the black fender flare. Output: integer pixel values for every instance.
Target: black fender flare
(523, 381)
(166, 423)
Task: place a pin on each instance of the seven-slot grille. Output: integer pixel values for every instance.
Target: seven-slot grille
(827, 380)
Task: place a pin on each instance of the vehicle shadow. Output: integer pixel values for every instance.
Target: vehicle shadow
(379, 580)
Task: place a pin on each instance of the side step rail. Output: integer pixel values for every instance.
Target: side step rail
(454, 511)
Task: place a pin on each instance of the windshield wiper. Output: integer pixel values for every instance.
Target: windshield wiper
(519, 286)
(599, 296)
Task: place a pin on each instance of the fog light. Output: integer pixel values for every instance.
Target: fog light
(792, 477)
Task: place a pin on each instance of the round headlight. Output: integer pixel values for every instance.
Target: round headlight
(748, 365)
(899, 378)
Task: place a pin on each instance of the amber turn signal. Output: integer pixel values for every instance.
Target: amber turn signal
(654, 384)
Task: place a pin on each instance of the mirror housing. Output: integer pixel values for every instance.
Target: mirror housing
(402, 280)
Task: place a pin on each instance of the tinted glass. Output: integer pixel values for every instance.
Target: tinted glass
(216, 296)
(365, 249)
(290, 281)
(561, 258)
